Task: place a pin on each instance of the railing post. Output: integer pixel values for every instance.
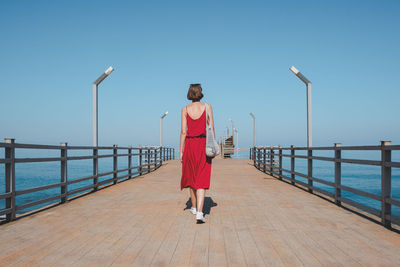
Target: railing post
(258, 158)
(161, 154)
(310, 169)
(64, 172)
(115, 163)
(338, 173)
(95, 168)
(386, 183)
(155, 153)
(164, 157)
(254, 156)
(148, 160)
(173, 155)
(10, 177)
(129, 162)
(140, 161)
(264, 159)
(157, 165)
(154, 157)
(250, 153)
(271, 161)
(292, 162)
(280, 163)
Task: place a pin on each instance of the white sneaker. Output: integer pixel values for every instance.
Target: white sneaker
(200, 217)
(193, 211)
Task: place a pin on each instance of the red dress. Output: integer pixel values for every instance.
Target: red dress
(196, 166)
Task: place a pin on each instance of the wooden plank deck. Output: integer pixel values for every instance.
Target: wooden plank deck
(253, 219)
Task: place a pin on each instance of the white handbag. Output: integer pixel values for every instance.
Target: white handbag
(212, 148)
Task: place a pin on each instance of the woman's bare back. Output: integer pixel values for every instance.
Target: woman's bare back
(195, 110)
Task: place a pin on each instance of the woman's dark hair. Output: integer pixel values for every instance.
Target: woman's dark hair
(195, 92)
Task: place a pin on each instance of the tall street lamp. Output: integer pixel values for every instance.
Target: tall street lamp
(237, 142)
(309, 111)
(162, 117)
(95, 104)
(254, 129)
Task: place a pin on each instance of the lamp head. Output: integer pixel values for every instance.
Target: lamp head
(103, 76)
(109, 70)
(294, 70)
(300, 76)
(165, 114)
(252, 115)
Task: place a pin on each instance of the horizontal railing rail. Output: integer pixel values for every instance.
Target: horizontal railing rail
(149, 158)
(268, 159)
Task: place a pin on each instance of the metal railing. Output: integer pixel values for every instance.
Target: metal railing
(149, 159)
(269, 160)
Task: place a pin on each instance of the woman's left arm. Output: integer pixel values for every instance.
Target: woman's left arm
(183, 133)
(211, 118)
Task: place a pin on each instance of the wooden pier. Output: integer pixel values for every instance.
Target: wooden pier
(252, 219)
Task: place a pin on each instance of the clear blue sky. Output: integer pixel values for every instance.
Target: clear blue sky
(240, 51)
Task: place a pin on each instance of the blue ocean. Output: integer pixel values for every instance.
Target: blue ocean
(29, 175)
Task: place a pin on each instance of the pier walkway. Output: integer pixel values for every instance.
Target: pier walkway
(253, 219)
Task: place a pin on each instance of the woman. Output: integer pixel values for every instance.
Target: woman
(196, 166)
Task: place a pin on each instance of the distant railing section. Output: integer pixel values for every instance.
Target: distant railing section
(240, 153)
(269, 160)
(149, 159)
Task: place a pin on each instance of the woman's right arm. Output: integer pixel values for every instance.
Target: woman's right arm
(183, 133)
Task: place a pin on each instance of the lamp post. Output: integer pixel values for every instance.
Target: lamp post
(162, 117)
(254, 129)
(95, 104)
(309, 110)
(237, 142)
(233, 131)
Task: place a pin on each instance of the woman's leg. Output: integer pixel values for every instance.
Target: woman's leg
(193, 197)
(200, 199)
